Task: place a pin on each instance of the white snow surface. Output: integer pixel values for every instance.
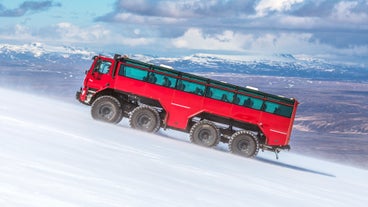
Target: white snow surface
(53, 154)
(38, 49)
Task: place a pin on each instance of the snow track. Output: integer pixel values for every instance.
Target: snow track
(53, 154)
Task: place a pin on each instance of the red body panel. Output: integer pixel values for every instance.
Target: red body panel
(181, 106)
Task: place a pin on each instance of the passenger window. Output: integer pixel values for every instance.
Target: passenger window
(166, 77)
(270, 107)
(249, 102)
(135, 73)
(220, 94)
(164, 80)
(151, 78)
(278, 109)
(257, 103)
(191, 87)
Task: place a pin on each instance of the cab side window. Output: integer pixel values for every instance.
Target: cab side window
(103, 67)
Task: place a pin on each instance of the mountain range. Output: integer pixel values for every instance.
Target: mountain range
(284, 65)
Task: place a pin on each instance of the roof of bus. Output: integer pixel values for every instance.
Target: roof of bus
(208, 80)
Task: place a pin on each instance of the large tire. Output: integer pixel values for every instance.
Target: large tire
(244, 143)
(107, 109)
(145, 118)
(205, 133)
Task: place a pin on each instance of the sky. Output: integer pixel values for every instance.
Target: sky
(328, 29)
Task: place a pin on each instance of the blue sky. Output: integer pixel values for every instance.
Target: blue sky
(329, 29)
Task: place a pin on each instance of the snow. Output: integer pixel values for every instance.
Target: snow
(39, 49)
(53, 154)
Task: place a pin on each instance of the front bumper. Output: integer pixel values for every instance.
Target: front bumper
(85, 95)
(78, 96)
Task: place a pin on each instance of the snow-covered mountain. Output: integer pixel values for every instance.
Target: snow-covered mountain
(39, 55)
(53, 154)
(286, 65)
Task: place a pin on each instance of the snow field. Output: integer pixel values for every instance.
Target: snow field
(53, 154)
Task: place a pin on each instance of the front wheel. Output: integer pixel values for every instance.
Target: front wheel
(107, 109)
(243, 143)
(145, 119)
(205, 133)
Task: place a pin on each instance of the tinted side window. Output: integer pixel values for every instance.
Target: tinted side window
(135, 73)
(164, 80)
(249, 102)
(278, 109)
(191, 87)
(166, 77)
(220, 94)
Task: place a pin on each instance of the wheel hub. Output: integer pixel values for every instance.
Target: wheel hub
(106, 111)
(144, 121)
(205, 135)
(244, 146)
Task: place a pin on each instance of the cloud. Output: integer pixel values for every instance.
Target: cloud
(195, 38)
(266, 6)
(240, 15)
(283, 26)
(183, 9)
(68, 31)
(349, 12)
(27, 7)
(187, 10)
(317, 8)
(16, 32)
(297, 43)
(96, 34)
(253, 42)
(239, 26)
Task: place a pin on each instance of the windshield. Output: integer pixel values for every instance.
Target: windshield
(102, 66)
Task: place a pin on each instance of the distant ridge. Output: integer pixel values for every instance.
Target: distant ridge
(285, 65)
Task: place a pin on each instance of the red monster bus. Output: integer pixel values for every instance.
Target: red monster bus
(155, 97)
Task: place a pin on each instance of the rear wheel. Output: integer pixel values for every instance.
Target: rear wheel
(145, 118)
(243, 143)
(205, 133)
(107, 109)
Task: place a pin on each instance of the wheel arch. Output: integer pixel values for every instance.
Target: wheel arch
(107, 92)
(227, 123)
